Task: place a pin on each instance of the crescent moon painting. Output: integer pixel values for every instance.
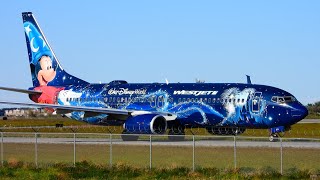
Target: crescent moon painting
(32, 47)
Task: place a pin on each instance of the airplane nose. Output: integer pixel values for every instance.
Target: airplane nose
(299, 113)
(304, 111)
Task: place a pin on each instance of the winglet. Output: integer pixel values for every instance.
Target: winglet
(248, 79)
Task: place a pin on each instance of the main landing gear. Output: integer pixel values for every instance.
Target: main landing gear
(176, 132)
(174, 135)
(125, 136)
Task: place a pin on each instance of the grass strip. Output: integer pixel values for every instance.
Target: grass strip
(88, 170)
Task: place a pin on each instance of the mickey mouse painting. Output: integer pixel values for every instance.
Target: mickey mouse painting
(46, 72)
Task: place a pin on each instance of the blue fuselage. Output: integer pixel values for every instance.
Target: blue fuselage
(194, 104)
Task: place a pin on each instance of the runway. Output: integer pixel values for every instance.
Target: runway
(309, 121)
(292, 143)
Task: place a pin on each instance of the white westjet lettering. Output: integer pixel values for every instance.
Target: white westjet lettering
(195, 93)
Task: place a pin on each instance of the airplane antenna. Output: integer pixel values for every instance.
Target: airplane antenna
(248, 79)
(167, 82)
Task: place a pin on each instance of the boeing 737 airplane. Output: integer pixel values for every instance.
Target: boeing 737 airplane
(153, 108)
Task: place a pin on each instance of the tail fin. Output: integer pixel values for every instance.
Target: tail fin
(45, 67)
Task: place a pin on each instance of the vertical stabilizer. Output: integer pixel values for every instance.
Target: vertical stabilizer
(45, 67)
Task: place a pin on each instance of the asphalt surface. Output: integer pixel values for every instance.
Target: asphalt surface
(294, 143)
(310, 121)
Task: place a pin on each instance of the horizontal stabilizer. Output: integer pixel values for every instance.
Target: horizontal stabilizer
(20, 90)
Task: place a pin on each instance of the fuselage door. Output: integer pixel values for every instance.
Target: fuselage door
(153, 102)
(256, 101)
(160, 102)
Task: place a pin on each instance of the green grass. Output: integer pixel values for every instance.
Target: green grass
(313, 116)
(165, 156)
(88, 170)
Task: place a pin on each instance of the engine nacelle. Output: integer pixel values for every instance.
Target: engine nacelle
(225, 130)
(146, 124)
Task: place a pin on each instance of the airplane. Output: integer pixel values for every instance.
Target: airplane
(153, 108)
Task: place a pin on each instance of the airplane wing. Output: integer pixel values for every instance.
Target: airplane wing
(122, 114)
(20, 90)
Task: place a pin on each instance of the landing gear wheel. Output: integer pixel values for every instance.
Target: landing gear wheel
(176, 136)
(273, 137)
(129, 137)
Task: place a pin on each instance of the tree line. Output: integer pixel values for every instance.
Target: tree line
(314, 109)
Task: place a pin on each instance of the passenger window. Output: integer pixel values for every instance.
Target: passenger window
(242, 100)
(230, 100)
(238, 100)
(205, 100)
(188, 99)
(179, 100)
(209, 100)
(184, 100)
(213, 100)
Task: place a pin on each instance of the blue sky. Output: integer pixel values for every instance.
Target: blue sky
(276, 42)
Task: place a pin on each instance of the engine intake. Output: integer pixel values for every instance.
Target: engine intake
(146, 124)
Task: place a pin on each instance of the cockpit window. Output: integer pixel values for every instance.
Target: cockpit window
(283, 99)
(289, 99)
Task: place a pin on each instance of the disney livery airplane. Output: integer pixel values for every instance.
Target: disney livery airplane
(153, 108)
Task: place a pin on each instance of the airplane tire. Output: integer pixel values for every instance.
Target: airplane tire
(273, 138)
(173, 136)
(129, 137)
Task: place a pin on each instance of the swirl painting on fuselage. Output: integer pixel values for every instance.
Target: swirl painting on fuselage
(230, 108)
(245, 107)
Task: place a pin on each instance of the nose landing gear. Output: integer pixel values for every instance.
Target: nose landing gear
(275, 137)
(276, 132)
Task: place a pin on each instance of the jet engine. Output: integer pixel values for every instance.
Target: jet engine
(146, 124)
(225, 130)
